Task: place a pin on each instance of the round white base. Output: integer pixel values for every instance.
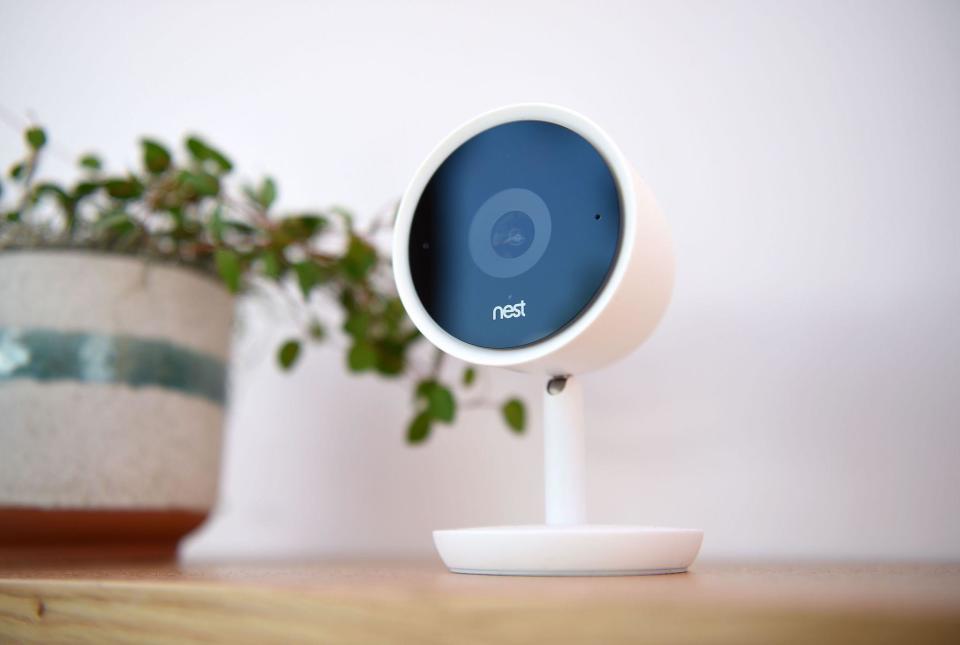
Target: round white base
(576, 550)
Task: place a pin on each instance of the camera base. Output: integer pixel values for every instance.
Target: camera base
(567, 545)
(571, 550)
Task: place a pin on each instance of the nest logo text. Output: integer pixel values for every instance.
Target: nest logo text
(518, 310)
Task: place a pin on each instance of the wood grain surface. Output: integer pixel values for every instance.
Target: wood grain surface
(419, 602)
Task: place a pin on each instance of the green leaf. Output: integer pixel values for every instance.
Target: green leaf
(419, 428)
(91, 162)
(179, 219)
(16, 170)
(309, 275)
(362, 357)
(216, 224)
(218, 158)
(469, 376)
(114, 224)
(36, 138)
(268, 192)
(265, 195)
(301, 227)
(228, 266)
(288, 354)
(201, 183)
(393, 313)
(423, 389)
(12, 216)
(359, 258)
(201, 151)
(123, 189)
(515, 414)
(46, 189)
(442, 405)
(391, 358)
(317, 331)
(221, 160)
(272, 264)
(156, 158)
(437, 399)
(84, 188)
(347, 298)
(311, 221)
(357, 323)
(196, 148)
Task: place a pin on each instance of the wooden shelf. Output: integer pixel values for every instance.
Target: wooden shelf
(419, 602)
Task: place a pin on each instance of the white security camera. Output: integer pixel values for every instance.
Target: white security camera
(526, 240)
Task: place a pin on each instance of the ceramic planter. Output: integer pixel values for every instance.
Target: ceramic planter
(112, 388)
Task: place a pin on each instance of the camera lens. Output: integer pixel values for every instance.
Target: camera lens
(512, 234)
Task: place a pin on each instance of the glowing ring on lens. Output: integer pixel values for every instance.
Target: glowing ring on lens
(511, 199)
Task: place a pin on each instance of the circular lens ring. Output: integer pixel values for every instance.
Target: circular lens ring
(500, 203)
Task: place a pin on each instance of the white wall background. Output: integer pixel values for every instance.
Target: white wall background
(802, 397)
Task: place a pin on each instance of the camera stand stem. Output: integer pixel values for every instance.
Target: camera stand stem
(564, 462)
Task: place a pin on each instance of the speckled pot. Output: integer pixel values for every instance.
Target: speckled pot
(112, 385)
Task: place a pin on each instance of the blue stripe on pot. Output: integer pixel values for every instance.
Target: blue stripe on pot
(49, 355)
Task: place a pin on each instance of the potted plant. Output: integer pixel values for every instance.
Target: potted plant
(116, 304)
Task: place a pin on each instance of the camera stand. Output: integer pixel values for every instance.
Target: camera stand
(566, 545)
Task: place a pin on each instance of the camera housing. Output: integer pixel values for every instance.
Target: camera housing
(527, 241)
(591, 285)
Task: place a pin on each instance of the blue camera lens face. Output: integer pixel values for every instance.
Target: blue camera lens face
(515, 234)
